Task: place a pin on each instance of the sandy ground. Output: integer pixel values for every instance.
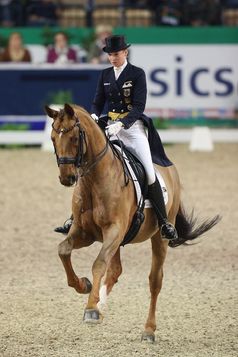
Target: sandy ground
(41, 316)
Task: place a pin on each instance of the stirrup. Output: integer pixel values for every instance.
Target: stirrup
(65, 228)
(168, 231)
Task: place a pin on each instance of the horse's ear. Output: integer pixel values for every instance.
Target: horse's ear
(51, 112)
(69, 110)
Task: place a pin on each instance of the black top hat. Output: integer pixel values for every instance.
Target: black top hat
(115, 43)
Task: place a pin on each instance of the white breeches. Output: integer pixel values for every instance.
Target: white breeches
(136, 140)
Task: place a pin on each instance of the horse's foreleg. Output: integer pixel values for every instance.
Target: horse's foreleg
(73, 241)
(159, 249)
(113, 272)
(109, 248)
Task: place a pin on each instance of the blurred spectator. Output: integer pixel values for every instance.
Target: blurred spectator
(11, 13)
(95, 53)
(230, 4)
(230, 12)
(60, 52)
(42, 13)
(136, 3)
(15, 51)
(201, 12)
(167, 12)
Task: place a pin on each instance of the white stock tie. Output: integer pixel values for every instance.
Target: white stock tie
(117, 72)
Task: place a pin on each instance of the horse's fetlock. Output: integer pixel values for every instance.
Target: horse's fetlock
(150, 327)
(71, 285)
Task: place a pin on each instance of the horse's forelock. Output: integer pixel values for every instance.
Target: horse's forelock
(61, 115)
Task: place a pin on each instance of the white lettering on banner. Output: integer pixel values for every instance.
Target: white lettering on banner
(189, 76)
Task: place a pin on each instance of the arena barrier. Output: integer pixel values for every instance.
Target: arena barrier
(198, 138)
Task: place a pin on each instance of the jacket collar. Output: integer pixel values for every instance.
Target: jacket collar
(123, 75)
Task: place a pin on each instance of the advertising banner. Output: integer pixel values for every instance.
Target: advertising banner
(189, 80)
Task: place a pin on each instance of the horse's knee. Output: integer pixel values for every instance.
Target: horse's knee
(65, 248)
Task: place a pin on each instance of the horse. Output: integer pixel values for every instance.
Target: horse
(103, 206)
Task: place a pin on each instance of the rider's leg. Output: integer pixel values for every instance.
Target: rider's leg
(155, 195)
(135, 138)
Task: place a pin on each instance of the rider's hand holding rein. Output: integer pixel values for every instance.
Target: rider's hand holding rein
(114, 129)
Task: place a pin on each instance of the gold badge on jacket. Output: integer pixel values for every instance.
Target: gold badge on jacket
(127, 88)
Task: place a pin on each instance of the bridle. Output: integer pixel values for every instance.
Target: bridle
(78, 160)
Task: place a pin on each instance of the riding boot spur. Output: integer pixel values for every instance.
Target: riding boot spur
(66, 226)
(155, 195)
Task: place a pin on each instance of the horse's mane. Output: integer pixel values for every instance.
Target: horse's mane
(80, 109)
(88, 123)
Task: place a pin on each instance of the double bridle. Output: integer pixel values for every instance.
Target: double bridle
(78, 160)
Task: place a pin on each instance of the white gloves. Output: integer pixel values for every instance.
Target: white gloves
(94, 117)
(114, 129)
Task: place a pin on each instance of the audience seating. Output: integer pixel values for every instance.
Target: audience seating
(73, 17)
(139, 17)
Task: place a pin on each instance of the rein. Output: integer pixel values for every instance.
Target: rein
(77, 161)
(89, 167)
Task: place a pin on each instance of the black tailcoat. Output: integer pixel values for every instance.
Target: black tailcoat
(128, 94)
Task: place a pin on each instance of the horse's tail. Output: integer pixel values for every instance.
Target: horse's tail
(188, 229)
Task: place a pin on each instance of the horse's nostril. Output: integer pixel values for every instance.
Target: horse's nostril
(72, 179)
(68, 180)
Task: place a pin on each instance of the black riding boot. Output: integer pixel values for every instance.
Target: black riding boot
(155, 195)
(66, 226)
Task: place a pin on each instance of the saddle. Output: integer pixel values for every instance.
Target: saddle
(136, 166)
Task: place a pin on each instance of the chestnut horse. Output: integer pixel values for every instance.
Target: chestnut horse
(103, 207)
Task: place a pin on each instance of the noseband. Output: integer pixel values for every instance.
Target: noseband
(77, 161)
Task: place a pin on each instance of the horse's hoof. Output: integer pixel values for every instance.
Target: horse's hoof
(148, 337)
(88, 285)
(92, 316)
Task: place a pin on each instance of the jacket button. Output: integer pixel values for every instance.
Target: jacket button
(119, 93)
(113, 110)
(120, 101)
(122, 111)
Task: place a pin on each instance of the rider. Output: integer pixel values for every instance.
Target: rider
(123, 88)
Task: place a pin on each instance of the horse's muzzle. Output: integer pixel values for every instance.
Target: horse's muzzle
(69, 180)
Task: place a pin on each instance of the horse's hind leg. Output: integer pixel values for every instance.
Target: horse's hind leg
(73, 241)
(159, 250)
(113, 272)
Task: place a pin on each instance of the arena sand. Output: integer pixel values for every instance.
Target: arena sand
(198, 305)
